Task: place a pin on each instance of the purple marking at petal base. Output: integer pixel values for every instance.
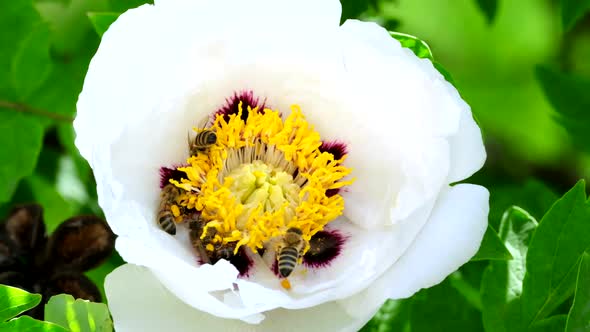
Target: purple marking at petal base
(325, 246)
(336, 148)
(167, 173)
(231, 104)
(242, 262)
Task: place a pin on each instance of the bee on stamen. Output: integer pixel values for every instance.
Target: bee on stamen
(290, 251)
(202, 142)
(209, 248)
(169, 209)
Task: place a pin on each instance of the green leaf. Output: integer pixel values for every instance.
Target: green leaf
(14, 301)
(102, 21)
(18, 20)
(98, 274)
(444, 308)
(489, 8)
(492, 248)
(78, 315)
(572, 11)
(568, 94)
(554, 253)
(445, 73)
(418, 46)
(533, 196)
(21, 136)
(394, 315)
(28, 324)
(120, 6)
(31, 63)
(501, 285)
(551, 324)
(353, 9)
(578, 319)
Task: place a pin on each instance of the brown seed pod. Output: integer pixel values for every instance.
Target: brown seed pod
(25, 228)
(73, 283)
(80, 243)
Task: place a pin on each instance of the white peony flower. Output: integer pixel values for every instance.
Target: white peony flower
(336, 131)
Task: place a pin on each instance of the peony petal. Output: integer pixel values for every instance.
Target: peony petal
(468, 153)
(449, 239)
(139, 302)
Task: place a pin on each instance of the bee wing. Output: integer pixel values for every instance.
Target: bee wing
(188, 140)
(203, 123)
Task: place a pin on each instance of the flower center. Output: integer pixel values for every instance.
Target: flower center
(263, 176)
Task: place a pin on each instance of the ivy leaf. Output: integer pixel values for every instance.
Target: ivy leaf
(21, 136)
(572, 11)
(28, 324)
(501, 285)
(554, 254)
(78, 315)
(579, 315)
(14, 301)
(102, 21)
(418, 46)
(489, 8)
(444, 308)
(568, 94)
(492, 248)
(32, 63)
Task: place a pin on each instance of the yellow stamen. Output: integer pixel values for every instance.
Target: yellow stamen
(261, 177)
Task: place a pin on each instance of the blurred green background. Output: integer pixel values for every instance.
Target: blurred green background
(523, 66)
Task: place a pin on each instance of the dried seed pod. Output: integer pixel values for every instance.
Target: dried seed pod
(80, 243)
(73, 283)
(7, 258)
(15, 279)
(25, 228)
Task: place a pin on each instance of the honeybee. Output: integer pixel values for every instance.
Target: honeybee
(166, 218)
(203, 141)
(220, 251)
(290, 251)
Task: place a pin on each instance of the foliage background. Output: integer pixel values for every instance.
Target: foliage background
(523, 66)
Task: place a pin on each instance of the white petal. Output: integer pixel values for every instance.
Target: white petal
(467, 150)
(139, 302)
(414, 111)
(449, 239)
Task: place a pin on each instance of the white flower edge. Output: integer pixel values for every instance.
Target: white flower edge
(139, 302)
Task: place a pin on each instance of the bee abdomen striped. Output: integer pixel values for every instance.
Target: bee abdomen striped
(205, 139)
(166, 221)
(288, 260)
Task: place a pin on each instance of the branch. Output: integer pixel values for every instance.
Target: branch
(23, 108)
